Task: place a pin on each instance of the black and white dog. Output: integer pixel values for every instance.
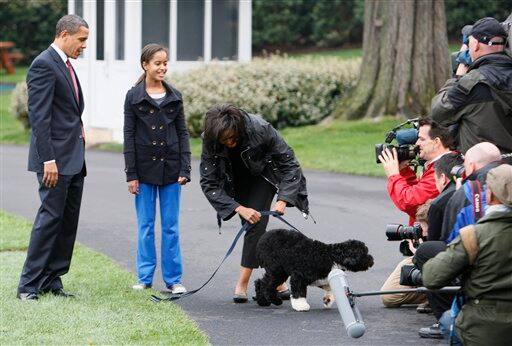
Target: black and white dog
(286, 253)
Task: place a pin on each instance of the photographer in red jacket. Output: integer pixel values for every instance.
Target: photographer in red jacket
(406, 190)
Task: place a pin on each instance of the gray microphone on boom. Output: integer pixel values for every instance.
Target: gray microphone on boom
(350, 315)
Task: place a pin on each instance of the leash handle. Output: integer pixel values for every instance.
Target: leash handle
(245, 227)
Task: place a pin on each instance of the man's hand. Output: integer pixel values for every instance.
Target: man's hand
(411, 245)
(182, 180)
(389, 161)
(461, 70)
(280, 206)
(252, 216)
(133, 187)
(50, 174)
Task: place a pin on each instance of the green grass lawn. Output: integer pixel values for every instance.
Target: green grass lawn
(343, 147)
(19, 76)
(106, 311)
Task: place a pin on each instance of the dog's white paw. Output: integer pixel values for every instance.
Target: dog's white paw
(328, 300)
(299, 304)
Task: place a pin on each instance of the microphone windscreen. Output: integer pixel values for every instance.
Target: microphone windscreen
(350, 315)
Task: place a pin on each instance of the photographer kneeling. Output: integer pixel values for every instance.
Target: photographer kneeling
(408, 193)
(481, 253)
(445, 183)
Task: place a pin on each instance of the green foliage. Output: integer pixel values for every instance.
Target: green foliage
(30, 24)
(11, 130)
(344, 22)
(289, 24)
(283, 23)
(285, 92)
(19, 104)
(303, 23)
(463, 12)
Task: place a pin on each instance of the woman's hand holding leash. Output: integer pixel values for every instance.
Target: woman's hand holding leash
(280, 206)
(182, 180)
(252, 216)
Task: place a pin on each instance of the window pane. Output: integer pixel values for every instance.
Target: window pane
(120, 29)
(190, 30)
(225, 29)
(155, 22)
(100, 29)
(79, 8)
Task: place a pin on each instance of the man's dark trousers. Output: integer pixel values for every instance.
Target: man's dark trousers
(53, 234)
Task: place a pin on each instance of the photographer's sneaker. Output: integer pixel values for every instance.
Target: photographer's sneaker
(432, 332)
(141, 286)
(177, 289)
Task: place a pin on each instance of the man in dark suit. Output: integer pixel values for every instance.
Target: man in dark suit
(56, 154)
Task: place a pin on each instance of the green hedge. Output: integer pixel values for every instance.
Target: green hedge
(285, 92)
(30, 23)
(287, 24)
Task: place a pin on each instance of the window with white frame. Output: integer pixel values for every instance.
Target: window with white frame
(190, 30)
(120, 15)
(155, 22)
(225, 29)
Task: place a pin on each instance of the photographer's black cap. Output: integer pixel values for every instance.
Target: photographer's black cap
(486, 28)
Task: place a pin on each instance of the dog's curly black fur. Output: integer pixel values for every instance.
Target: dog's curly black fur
(283, 253)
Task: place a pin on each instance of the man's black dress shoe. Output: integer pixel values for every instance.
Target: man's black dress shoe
(61, 293)
(28, 296)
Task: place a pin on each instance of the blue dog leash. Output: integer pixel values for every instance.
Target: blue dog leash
(246, 226)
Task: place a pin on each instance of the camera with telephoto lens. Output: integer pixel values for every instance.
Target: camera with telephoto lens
(405, 138)
(410, 275)
(396, 232)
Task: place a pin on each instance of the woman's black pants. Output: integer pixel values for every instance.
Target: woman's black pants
(258, 195)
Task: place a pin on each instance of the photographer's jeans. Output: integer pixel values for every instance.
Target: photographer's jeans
(145, 204)
(447, 324)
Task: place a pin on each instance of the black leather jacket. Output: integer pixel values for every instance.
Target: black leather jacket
(265, 154)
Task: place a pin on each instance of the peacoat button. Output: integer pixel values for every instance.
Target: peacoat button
(161, 159)
(154, 142)
(153, 127)
(169, 110)
(140, 108)
(162, 143)
(151, 111)
(154, 158)
(161, 127)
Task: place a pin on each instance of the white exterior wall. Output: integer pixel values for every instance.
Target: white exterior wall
(105, 83)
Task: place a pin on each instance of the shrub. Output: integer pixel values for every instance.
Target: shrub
(285, 92)
(19, 104)
(31, 23)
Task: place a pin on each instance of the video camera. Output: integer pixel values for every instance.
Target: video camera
(406, 139)
(396, 232)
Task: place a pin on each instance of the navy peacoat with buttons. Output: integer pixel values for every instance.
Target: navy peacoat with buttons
(156, 139)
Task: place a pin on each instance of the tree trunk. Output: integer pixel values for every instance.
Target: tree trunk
(405, 59)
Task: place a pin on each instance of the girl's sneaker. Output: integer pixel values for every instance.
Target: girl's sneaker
(141, 286)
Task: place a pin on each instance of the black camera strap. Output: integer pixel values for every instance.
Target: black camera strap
(476, 189)
(245, 227)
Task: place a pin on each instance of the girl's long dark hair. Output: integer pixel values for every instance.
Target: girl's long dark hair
(147, 54)
(221, 119)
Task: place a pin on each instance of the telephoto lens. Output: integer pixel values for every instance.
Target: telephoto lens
(395, 231)
(410, 275)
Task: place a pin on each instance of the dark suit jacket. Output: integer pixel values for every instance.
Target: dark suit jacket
(55, 115)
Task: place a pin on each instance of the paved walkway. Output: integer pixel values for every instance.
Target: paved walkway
(344, 206)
